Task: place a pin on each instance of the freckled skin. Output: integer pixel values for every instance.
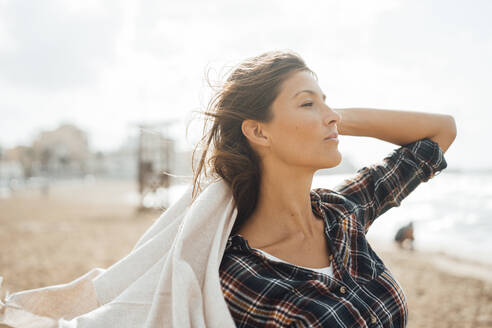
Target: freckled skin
(301, 123)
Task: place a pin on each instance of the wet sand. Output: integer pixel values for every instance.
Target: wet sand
(53, 239)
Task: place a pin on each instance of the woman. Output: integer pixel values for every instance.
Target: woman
(299, 257)
(258, 242)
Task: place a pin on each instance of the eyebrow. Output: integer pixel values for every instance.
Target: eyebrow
(311, 92)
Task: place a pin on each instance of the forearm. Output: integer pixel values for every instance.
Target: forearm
(395, 126)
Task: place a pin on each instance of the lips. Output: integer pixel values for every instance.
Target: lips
(332, 136)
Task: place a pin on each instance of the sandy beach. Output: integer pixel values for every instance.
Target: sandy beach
(55, 238)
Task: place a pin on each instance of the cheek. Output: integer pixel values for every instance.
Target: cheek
(294, 133)
(298, 139)
(307, 130)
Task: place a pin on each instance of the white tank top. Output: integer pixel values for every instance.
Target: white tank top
(326, 270)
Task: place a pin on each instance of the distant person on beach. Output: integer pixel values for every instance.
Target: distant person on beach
(404, 236)
(299, 257)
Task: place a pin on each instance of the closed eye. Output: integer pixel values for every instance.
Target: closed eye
(309, 104)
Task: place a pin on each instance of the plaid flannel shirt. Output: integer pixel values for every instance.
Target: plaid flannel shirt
(362, 293)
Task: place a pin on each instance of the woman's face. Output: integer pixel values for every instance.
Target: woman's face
(301, 124)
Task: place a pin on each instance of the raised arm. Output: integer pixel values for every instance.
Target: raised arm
(397, 127)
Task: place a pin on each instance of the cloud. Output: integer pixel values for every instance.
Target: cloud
(52, 45)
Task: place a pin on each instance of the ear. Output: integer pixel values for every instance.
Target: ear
(253, 131)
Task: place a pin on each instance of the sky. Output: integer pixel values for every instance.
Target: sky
(107, 65)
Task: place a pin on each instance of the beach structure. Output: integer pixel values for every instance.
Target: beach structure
(155, 156)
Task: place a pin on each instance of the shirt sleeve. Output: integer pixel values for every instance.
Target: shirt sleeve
(381, 186)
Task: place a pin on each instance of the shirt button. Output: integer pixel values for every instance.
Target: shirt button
(343, 290)
(374, 319)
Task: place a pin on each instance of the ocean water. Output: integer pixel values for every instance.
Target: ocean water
(451, 213)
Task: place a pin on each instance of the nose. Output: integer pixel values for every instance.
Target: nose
(330, 116)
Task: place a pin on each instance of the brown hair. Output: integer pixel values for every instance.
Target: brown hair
(248, 93)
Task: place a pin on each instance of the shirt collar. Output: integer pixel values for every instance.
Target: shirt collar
(316, 204)
(237, 241)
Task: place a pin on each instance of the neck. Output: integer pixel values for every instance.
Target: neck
(284, 203)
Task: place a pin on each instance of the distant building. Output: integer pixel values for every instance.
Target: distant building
(62, 152)
(18, 158)
(121, 163)
(11, 170)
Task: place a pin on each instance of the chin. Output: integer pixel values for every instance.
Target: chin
(334, 161)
